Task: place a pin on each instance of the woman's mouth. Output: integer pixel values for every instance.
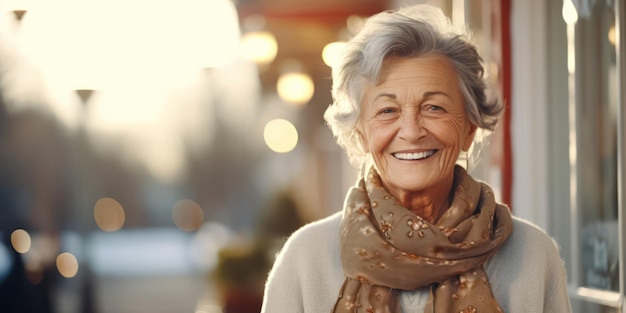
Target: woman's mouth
(414, 155)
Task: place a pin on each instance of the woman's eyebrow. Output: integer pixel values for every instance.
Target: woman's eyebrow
(425, 95)
(385, 95)
(434, 93)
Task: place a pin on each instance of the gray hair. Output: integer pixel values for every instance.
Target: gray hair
(408, 32)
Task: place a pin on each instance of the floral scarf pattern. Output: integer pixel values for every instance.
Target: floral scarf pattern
(386, 248)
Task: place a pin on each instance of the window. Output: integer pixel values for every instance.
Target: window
(594, 238)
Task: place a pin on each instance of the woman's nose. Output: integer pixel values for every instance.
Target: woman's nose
(412, 128)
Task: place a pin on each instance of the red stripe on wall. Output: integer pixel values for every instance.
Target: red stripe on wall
(507, 166)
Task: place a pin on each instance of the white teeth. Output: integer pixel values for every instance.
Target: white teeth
(415, 155)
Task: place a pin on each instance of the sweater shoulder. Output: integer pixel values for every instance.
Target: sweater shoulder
(307, 271)
(320, 237)
(527, 233)
(325, 228)
(528, 252)
(527, 273)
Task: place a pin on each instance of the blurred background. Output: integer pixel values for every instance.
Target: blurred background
(155, 155)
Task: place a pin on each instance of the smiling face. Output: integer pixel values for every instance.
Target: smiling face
(414, 125)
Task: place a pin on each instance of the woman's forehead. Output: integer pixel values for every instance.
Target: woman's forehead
(432, 73)
(434, 65)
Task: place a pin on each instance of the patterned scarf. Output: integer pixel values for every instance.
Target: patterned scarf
(386, 248)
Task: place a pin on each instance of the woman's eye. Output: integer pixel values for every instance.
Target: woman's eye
(387, 111)
(434, 108)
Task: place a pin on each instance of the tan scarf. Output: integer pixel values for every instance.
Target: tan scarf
(386, 247)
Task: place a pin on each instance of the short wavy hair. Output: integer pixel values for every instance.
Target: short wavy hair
(407, 32)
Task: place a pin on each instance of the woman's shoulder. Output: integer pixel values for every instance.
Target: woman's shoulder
(319, 235)
(313, 247)
(307, 272)
(528, 266)
(525, 231)
(316, 231)
(528, 244)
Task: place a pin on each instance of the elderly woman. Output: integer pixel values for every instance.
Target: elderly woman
(417, 233)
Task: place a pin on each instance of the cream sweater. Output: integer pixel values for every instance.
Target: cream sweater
(527, 274)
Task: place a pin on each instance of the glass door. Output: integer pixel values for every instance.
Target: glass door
(595, 63)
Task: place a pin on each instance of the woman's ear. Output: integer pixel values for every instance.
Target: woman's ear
(469, 139)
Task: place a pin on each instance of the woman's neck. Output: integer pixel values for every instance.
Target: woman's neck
(428, 204)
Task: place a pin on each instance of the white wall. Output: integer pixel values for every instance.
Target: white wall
(528, 105)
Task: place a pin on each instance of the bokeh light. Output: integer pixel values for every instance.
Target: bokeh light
(21, 241)
(295, 87)
(611, 35)
(332, 52)
(570, 15)
(259, 47)
(280, 135)
(67, 265)
(109, 214)
(187, 215)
